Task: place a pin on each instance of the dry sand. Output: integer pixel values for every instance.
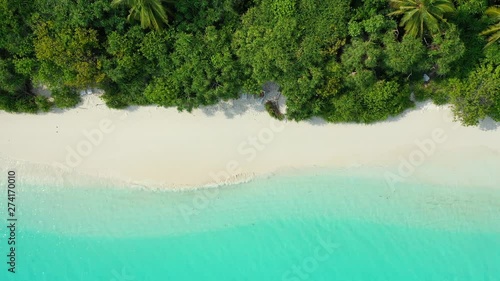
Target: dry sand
(237, 140)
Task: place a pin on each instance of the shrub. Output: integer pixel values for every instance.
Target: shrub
(43, 103)
(273, 109)
(26, 105)
(66, 97)
(18, 102)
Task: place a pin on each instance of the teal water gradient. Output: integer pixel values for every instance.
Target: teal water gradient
(319, 226)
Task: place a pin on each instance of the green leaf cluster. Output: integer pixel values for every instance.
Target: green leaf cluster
(344, 61)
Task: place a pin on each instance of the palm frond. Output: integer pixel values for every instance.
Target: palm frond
(151, 13)
(421, 15)
(494, 30)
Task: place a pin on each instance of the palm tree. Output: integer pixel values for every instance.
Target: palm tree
(421, 14)
(151, 13)
(494, 29)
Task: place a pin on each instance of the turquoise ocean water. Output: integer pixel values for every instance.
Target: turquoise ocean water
(319, 226)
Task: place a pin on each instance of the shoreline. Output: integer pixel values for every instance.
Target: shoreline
(336, 195)
(234, 142)
(466, 176)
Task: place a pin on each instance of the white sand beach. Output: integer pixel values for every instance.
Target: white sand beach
(238, 140)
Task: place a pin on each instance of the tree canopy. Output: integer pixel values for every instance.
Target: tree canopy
(357, 61)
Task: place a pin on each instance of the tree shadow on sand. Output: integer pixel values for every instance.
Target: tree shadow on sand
(234, 108)
(489, 124)
(247, 102)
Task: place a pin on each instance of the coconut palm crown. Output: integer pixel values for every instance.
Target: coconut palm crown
(421, 15)
(151, 13)
(494, 30)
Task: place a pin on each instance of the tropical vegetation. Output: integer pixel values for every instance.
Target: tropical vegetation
(494, 30)
(421, 15)
(344, 61)
(150, 13)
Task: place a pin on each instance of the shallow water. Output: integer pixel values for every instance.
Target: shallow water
(317, 226)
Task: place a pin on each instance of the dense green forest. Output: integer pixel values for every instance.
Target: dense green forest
(345, 61)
